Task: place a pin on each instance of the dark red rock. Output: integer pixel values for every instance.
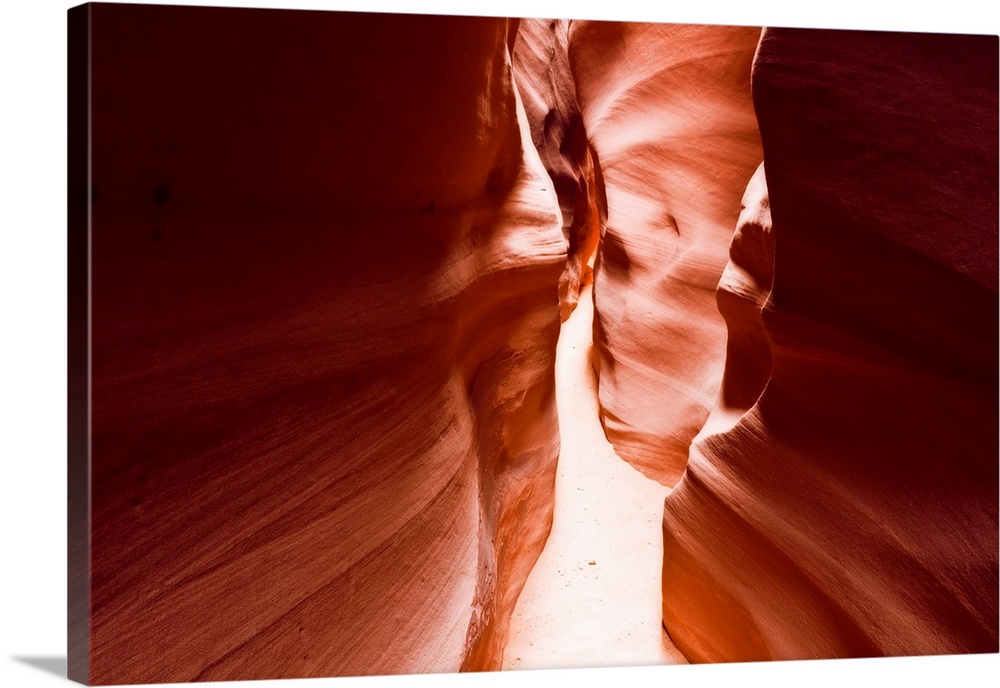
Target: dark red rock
(851, 509)
(325, 307)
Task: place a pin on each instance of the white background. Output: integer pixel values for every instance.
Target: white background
(33, 338)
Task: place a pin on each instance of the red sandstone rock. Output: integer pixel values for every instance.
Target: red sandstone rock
(743, 290)
(667, 109)
(545, 82)
(851, 509)
(325, 307)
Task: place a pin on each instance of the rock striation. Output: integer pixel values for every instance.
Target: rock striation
(842, 499)
(326, 265)
(545, 82)
(667, 110)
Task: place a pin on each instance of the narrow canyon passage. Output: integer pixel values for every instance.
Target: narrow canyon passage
(317, 367)
(593, 597)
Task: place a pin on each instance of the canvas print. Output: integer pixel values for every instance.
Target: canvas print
(420, 344)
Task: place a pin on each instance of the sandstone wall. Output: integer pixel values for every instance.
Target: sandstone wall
(842, 500)
(667, 110)
(545, 82)
(325, 306)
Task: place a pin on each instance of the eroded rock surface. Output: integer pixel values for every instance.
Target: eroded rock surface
(545, 82)
(668, 112)
(325, 308)
(842, 501)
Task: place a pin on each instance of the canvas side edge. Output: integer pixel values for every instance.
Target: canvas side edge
(78, 344)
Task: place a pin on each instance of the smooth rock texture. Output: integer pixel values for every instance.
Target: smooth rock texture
(842, 501)
(743, 290)
(545, 82)
(668, 112)
(325, 308)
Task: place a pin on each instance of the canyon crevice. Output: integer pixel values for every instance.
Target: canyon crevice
(669, 115)
(332, 257)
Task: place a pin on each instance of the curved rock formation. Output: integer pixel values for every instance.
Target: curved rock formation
(667, 109)
(325, 308)
(842, 502)
(545, 82)
(741, 295)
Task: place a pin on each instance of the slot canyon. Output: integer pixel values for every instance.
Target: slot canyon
(425, 344)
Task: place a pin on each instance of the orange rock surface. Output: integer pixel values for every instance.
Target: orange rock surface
(325, 308)
(545, 82)
(668, 112)
(842, 500)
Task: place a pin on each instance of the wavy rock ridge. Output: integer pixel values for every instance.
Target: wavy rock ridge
(667, 109)
(325, 308)
(842, 501)
(545, 82)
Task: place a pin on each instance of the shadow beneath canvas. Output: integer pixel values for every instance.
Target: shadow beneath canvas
(49, 664)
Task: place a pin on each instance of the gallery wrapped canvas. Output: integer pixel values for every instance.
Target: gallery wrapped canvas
(407, 343)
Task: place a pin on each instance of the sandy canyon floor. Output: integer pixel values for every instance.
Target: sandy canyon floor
(593, 598)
